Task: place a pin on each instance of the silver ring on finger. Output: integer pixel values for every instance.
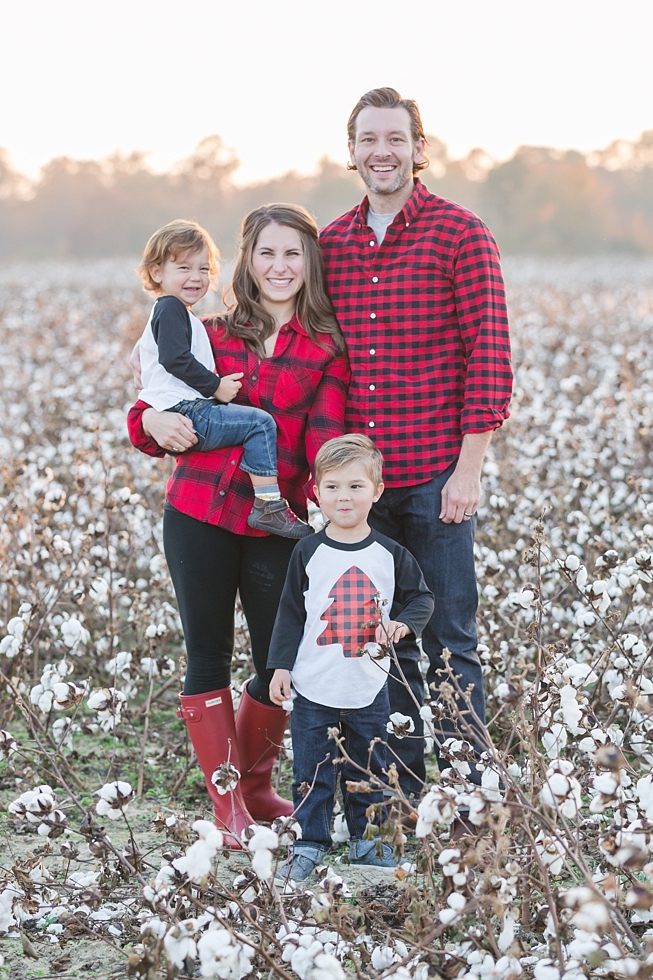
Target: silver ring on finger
(465, 514)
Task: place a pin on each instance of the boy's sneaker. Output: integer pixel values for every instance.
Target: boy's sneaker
(302, 861)
(277, 517)
(364, 852)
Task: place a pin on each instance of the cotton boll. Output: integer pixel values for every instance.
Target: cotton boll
(179, 943)
(400, 725)
(223, 955)
(545, 970)
(262, 864)
(554, 740)
(340, 830)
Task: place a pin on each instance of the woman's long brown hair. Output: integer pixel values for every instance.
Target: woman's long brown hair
(247, 317)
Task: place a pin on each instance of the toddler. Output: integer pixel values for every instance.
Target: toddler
(179, 264)
(347, 591)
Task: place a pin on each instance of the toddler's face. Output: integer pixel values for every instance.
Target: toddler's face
(187, 276)
(346, 495)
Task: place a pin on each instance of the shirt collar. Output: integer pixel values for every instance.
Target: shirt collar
(411, 208)
(294, 324)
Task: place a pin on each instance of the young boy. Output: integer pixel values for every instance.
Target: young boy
(179, 264)
(348, 590)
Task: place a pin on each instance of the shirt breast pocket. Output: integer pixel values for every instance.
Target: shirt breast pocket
(295, 389)
(230, 365)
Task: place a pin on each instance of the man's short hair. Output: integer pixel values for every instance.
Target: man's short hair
(389, 98)
(169, 242)
(344, 450)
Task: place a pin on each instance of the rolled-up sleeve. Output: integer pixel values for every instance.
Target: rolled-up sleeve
(137, 434)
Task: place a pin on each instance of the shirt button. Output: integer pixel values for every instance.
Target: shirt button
(375, 278)
(372, 351)
(255, 377)
(233, 462)
(371, 425)
(372, 243)
(372, 387)
(407, 224)
(222, 493)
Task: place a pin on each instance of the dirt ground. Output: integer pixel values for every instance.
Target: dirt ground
(74, 954)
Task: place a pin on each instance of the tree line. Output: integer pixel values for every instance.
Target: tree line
(541, 201)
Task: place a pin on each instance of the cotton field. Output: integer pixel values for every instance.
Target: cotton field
(108, 844)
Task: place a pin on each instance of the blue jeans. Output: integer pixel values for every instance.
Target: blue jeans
(313, 755)
(445, 552)
(218, 426)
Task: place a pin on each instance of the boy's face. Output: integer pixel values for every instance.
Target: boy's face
(187, 276)
(346, 495)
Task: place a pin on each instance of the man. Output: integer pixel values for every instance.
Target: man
(416, 284)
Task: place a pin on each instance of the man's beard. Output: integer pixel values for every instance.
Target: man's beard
(404, 174)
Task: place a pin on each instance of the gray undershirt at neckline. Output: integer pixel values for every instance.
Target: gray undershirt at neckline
(379, 223)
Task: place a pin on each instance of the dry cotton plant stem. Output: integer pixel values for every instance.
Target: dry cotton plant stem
(35, 727)
(146, 728)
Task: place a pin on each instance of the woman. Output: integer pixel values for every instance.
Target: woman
(282, 334)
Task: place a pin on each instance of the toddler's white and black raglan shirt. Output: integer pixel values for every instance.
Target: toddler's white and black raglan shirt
(177, 362)
(331, 604)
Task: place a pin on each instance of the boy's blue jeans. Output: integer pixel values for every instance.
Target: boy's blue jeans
(313, 755)
(218, 426)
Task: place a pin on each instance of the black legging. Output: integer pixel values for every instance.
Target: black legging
(208, 566)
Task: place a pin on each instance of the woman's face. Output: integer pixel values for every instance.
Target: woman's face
(278, 266)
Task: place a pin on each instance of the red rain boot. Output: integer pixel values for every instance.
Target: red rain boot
(259, 731)
(209, 719)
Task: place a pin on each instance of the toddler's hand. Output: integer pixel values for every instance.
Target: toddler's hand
(280, 686)
(391, 631)
(228, 388)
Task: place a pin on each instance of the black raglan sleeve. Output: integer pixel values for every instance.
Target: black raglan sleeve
(291, 616)
(173, 333)
(413, 602)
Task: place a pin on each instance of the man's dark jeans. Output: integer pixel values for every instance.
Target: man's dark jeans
(313, 755)
(445, 552)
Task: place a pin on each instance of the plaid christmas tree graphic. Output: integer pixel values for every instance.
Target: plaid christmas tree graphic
(353, 615)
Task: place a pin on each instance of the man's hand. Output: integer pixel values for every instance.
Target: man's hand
(171, 431)
(391, 631)
(228, 388)
(135, 365)
(280, 687)
(462, 491)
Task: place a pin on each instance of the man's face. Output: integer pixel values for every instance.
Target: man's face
(383, 151)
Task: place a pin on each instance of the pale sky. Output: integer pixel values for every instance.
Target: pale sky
(278, 78)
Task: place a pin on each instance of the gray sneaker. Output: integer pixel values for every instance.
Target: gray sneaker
(364, 852)
(302, 861)
(277, 517)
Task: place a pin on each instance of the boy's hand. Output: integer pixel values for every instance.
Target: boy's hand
(391, 631)
(280, 686)
(228, 388)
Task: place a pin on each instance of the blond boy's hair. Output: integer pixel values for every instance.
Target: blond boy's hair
(344, 450)
(170, 242)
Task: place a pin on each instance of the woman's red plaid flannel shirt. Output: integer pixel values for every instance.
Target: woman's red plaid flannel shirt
(303, 386)
(425, 320)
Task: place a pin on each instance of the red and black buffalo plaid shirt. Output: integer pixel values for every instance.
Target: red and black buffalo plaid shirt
(425, 320)
(303, 385)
